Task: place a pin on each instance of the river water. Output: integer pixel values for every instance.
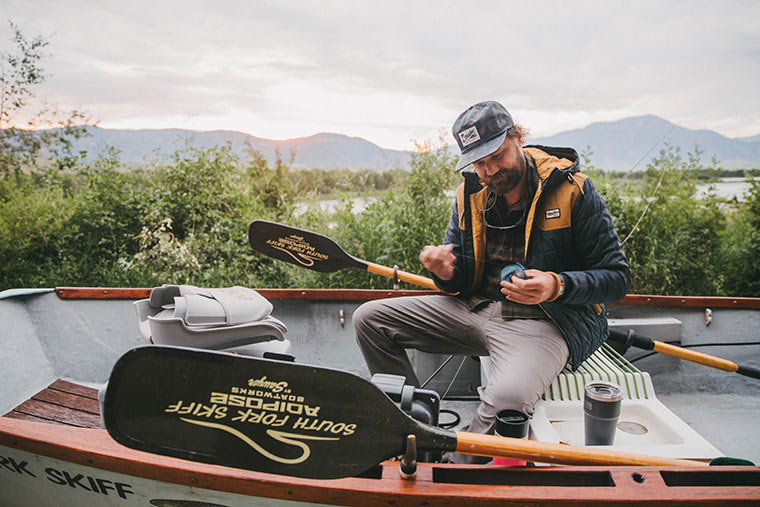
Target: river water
(726, 188)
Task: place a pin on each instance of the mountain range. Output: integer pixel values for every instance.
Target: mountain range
(618, 145)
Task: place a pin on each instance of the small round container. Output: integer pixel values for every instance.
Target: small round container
(511, 423)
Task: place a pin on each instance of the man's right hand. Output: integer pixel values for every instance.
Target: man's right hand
(439, 260)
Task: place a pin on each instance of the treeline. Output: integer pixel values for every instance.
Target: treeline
(186, 222)
(703, 174)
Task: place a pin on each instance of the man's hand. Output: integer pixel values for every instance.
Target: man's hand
(439, 260)
(538, 286)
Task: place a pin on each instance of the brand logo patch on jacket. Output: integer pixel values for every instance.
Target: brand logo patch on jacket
(469, 136)
(552, 213)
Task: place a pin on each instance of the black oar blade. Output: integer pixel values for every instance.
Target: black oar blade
(258, 414)
(302, 248)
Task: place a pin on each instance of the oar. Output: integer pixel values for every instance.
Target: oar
(317, 252)
(625, 340)
(289, 419)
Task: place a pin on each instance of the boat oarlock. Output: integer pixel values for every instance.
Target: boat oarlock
(290, 419)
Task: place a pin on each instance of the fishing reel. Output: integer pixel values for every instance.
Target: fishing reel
(515, 269)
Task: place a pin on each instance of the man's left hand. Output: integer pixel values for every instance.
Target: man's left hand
(538, 286)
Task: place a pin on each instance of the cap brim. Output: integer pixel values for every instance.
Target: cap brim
(481, 151)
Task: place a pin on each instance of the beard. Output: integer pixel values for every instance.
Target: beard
(506, 179)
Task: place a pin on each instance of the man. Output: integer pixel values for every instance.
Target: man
(527, 205)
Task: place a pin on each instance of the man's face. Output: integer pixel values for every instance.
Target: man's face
(502, 170)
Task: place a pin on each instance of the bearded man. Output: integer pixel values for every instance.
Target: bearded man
(522, 204)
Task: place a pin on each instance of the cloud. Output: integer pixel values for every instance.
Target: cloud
(396, 70)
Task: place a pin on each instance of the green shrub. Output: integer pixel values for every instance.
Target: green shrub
(31, 223)
(739, 259)
(101, 225)
(668, 235)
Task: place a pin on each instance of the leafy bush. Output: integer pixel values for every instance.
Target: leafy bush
(31, 222)
(393, 229)
(188, 222)
(668, 235)
(739, 261)
(102, 227)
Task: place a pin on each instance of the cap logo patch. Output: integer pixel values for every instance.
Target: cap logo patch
(469, 136)
(552, 213)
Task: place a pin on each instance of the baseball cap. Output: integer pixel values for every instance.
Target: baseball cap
(480, 131)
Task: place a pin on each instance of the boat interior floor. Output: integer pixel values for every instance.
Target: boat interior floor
(61, 402)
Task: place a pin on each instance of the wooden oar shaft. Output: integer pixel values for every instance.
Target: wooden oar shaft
(697, 357)
(543, 452)
(418, 280)
(631, 339)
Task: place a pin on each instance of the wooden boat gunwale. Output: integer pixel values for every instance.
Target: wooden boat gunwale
(747, 303)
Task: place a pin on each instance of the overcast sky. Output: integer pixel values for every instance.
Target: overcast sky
(396, 71)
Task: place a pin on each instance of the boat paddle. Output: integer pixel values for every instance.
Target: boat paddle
(628, 339)
(317, 252)
(290, 419)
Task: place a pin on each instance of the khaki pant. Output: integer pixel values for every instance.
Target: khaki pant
(526, 355)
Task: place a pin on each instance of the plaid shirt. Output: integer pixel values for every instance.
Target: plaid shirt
(505, 247)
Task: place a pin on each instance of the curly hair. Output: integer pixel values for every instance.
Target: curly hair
(518, 131)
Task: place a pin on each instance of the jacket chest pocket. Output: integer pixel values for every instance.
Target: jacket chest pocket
(553, 217)
(556, 209)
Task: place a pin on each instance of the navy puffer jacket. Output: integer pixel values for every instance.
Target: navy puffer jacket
(568, 231)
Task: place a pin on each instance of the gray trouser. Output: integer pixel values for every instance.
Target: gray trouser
(526, 355)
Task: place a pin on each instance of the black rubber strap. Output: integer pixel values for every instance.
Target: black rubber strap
(749, 372)
(626, 339)
(641, 342)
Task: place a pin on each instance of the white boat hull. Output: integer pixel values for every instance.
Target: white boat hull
(28, 479)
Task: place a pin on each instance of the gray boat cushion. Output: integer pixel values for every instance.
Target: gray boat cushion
(216, 319)
(230, 305)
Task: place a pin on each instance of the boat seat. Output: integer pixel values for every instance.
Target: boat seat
(645, 425)
(234, 319)
(605, 364)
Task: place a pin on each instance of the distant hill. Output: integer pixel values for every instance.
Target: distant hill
(619, 145)
(614, 145)
(320, 151)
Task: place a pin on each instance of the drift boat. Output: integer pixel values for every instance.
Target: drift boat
(61, 344)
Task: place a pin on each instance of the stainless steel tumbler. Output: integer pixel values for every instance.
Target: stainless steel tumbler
(601, 408)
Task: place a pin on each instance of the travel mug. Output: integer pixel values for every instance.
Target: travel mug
(511, 423)
(601, 409)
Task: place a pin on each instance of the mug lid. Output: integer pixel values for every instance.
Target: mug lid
(603, 391)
